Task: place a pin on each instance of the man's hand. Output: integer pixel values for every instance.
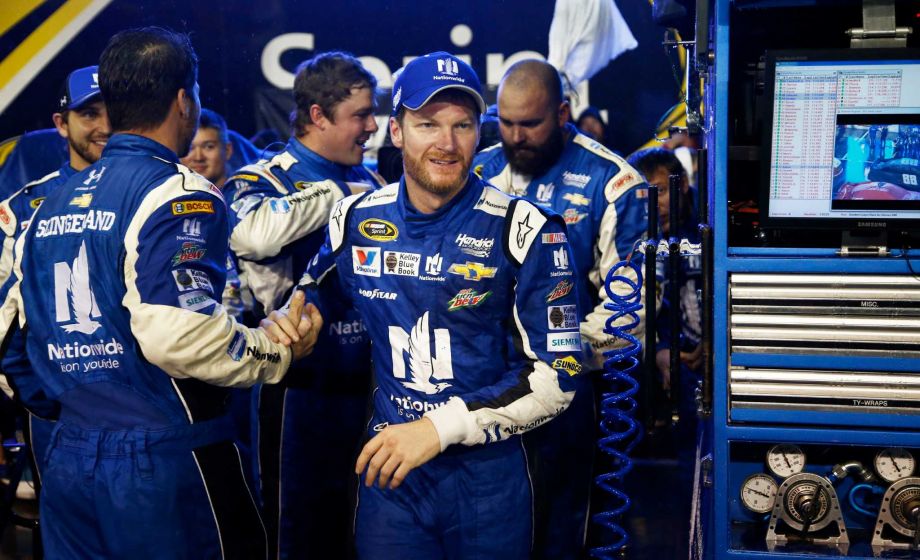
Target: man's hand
(692, 360)
(396, 450)
(298, 328)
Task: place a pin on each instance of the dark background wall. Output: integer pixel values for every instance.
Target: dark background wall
(230, 36)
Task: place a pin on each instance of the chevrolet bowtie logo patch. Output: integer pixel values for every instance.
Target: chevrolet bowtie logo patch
(472, 271)
(82, 201)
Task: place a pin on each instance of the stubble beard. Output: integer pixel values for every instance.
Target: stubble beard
(415, 168)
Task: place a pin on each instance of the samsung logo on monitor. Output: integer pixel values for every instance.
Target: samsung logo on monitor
(871, 224)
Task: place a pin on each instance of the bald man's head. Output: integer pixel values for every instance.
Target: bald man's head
(535, 75)
(531, 117)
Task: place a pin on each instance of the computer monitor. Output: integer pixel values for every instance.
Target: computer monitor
(842, 140)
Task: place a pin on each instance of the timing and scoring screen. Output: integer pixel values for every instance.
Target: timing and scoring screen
(845, 140)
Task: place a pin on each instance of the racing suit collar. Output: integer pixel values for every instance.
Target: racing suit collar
(66, 170)
(419, 224)
(131, 144)
(329, 169)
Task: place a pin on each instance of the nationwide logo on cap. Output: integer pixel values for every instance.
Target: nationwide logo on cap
(447, 66)
(378, 230)
(397, 96)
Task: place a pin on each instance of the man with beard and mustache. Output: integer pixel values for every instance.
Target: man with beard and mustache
(474, 340)
(81, 120)
(547, 161)
(116, 282)
(280, 207)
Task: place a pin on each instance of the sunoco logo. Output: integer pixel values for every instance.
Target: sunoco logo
(378, 230)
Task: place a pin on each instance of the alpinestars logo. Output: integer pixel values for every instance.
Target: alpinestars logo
(423, 365)
(73, 297)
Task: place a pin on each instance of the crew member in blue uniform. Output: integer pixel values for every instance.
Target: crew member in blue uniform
(547, 161)
(120, 273)
(280, 208)
(82, 121)
(469, 299)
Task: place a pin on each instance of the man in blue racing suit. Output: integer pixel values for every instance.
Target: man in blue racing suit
(82, 121)
(280, 209)
(120, 272)
(474, 330)
(547, 161)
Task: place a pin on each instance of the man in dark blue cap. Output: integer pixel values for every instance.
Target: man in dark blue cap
(81, 119)
(473, 330)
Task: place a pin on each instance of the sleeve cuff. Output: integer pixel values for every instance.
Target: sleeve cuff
(453, 422)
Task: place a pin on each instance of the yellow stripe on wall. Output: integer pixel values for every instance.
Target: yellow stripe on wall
(39, 48)
(14, 11)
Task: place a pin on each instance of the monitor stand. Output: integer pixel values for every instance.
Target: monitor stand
(866, 243)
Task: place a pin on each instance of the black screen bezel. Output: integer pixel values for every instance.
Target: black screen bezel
(833, 223)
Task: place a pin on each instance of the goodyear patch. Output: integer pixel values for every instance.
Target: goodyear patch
(378, 230)
(568, 364)
(36, 202)
(192, 207)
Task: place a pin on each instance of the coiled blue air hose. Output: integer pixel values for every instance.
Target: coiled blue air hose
(620, 431)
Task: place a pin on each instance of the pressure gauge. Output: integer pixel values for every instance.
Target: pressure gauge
(894, 463)
(758, 492)
(785, 460)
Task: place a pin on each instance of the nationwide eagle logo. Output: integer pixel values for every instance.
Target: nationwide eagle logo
(422, 368)
(74, 298)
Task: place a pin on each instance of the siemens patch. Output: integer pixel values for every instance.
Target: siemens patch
(563, 342)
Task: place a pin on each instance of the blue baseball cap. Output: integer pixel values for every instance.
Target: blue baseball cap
(80, 87)
(430, 74)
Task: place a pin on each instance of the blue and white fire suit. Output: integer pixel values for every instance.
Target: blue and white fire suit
(120, 273)
(15, 213)
(600, 196)
(281, 208)
(473, 315)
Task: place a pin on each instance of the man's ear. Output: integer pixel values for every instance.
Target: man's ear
(565, 113)
(60, 123)
(396, 133)
(318, 117)
(184, 103)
